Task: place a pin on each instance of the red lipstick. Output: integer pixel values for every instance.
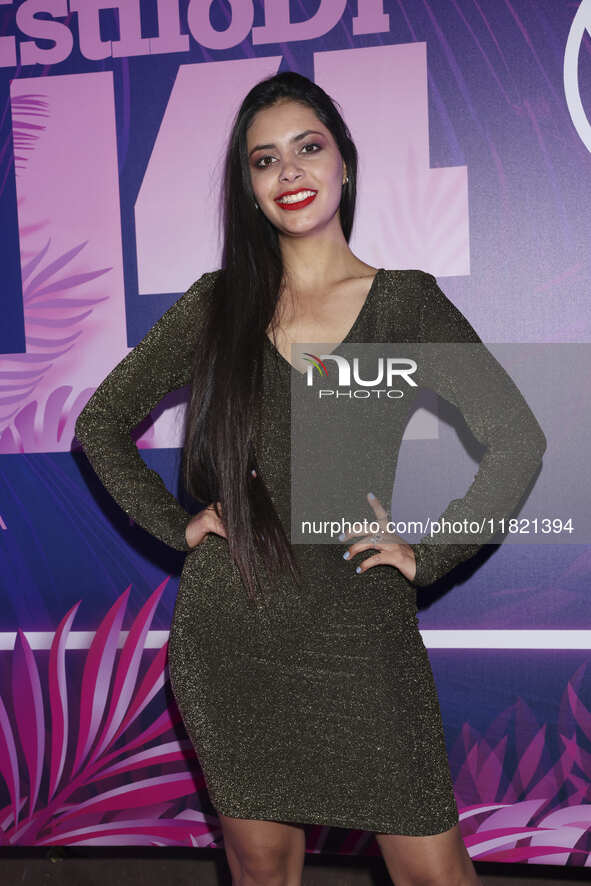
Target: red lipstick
(299, 204)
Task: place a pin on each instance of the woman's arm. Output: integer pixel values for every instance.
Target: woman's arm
(469, 377)
(160, 363)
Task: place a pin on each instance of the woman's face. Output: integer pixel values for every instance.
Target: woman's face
(289, 149)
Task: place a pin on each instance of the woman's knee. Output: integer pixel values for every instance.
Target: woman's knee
(428, 861)
(263, 852)
(265, 868)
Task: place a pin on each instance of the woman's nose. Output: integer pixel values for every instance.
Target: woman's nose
(290, 172)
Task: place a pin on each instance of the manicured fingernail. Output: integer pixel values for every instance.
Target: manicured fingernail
(371, 495)
(358, 569)
(346, 555)
(342, 536)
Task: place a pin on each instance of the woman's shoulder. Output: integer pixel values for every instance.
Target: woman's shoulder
(190, 305)
(414, 285)
(196, 296)
(438, 317)
(205, 281)
(410, 276)
(421, 283)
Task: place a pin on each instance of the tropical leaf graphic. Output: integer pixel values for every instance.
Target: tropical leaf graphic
(54, 774)
(55, 305)
(53, 310)
(28, 112)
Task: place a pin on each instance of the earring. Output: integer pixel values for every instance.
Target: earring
(346, 179)
(256, 205)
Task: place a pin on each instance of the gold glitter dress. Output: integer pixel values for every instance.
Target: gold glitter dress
(316, 707)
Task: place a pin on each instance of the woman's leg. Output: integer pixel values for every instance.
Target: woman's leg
(263, 853)
(435, 860)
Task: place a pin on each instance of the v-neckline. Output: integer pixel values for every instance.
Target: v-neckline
(353, 328)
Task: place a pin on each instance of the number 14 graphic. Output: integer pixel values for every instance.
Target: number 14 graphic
(115, 222)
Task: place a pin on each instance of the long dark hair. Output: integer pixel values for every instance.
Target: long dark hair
(222, 418)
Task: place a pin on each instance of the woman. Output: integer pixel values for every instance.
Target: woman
(304, 686)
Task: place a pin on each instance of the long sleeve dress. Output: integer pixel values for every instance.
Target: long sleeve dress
(315, 706)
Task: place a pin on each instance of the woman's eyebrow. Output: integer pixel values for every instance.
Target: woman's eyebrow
(296, 138)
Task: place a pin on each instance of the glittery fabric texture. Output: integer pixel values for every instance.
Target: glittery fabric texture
(316, 705)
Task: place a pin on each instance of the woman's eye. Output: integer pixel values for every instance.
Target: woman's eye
(262, 164)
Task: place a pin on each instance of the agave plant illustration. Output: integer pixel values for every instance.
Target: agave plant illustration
(524, 790)
(54, 769)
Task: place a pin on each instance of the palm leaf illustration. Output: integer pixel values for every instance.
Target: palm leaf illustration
(56, 302)
(51, 322)
(27, 114)
(54, 775)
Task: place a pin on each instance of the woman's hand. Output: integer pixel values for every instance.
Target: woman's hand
(205, 521)
(391, 548)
